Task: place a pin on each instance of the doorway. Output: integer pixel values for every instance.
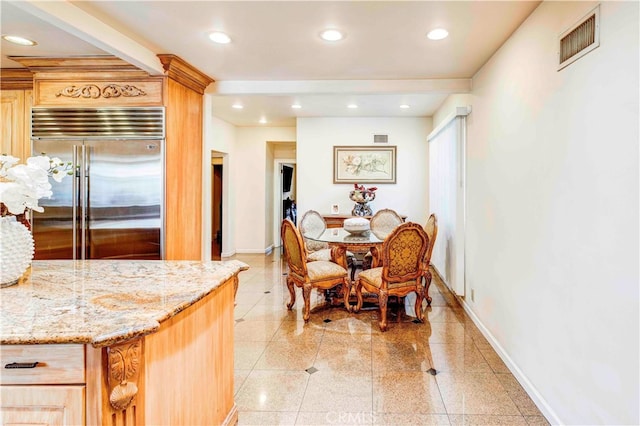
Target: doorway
(285, 200)
(216, 208)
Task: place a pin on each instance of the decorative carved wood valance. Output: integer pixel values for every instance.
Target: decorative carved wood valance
(108, 91)
(184, 73)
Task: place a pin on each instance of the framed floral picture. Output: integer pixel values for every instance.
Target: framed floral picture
(364, 164)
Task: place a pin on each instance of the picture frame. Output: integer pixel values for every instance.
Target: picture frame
(364, 164)
(335, 209)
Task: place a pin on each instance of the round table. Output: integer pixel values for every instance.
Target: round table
(342, 241)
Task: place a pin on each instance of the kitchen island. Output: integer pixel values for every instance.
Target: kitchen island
(119, 342)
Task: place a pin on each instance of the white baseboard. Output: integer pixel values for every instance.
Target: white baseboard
(540, 402)
(231, 253)
(255, 251)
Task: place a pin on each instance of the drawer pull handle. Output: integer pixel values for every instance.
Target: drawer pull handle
(22, 365)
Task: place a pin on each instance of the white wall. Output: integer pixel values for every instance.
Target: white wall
(218, 136)
(552, 219)
(316, 138)
(252, 174)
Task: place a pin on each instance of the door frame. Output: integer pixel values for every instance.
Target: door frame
(277, 195)
(214, 199)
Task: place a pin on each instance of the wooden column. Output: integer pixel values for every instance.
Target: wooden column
(184, 89)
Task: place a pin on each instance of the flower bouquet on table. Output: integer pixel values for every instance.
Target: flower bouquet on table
(361, 196)
(21, 186)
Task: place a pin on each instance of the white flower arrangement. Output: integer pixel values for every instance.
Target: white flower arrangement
(22, 185)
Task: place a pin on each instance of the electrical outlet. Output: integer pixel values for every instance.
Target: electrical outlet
(473, 298)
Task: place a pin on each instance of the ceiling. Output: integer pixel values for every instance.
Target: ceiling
(276, 57)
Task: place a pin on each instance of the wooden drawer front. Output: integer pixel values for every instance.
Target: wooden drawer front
(57, 364)
(42, 405)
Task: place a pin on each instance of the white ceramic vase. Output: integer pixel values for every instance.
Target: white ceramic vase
(16, 250)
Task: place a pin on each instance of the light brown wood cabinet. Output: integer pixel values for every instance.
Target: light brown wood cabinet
(15, 107)
(181, 374)
(42, 405)
(52, 393)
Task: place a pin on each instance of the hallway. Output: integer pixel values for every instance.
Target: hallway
(340, 369)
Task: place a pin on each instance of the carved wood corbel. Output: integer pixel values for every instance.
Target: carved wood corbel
(123, 371)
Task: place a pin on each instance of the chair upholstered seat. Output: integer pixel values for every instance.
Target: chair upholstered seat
(324, 270)
(373, 277)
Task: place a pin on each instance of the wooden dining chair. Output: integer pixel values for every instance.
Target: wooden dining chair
(312, 223)
(382, 224)
(431, 228)
(402, 256)
(318, 274)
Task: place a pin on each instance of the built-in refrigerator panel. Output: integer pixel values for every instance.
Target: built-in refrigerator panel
(124, 199)
(54, 228)
(112, 206)
(110, 209)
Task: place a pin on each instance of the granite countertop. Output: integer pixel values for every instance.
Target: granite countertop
(102, 302)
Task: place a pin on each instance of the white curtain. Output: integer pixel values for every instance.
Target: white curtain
(446, 200)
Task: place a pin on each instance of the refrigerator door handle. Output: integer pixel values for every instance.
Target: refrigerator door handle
(84, 188)
(74, 202)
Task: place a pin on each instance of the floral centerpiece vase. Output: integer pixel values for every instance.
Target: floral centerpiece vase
(362, 196)
(21, 186)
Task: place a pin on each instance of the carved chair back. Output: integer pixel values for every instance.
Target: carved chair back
(384, 222)
(431, 228)
(312, 223)
(403, 254)
(294, 249)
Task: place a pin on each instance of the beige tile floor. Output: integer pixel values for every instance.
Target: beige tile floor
(340, 369)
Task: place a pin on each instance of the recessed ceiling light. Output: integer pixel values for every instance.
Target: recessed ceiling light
(438, 34)
(19, 40)
(352, 106)
(220, 37)
(263, 120)
(237, 106)
(405, 106)
(331, 35)
(296, 106)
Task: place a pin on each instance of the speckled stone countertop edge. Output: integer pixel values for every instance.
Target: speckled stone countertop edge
(105, 333)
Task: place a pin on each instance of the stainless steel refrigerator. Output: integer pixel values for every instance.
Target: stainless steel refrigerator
(112, 205)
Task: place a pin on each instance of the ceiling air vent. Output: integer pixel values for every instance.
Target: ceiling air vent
(380, 138)
(580, 39)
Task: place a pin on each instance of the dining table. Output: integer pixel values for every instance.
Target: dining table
(342, 241)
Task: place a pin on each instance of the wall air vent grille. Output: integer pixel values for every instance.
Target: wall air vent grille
(103, 123)
(580, 39)
(380, 138)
